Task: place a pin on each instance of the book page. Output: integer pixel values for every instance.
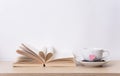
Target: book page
(24, 59)
(27, 64)
(28, 51)
(28, 55)
(58, 63)
(50, 54)
(62, 59)
(43, 52)
(32, 50)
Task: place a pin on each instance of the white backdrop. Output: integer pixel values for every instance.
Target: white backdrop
(68, 25)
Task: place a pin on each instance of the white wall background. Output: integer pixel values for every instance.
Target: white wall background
(68, 25)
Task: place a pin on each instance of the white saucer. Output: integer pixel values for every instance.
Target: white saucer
(92, 64)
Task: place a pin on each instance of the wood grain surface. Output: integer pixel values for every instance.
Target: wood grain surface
(110, 69)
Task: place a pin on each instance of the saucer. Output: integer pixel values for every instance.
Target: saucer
(92, 64)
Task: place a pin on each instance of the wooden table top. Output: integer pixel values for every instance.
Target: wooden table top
(112, 68)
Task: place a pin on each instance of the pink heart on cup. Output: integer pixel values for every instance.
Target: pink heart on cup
(92, 57)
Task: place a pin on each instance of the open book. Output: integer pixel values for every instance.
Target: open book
(43, 58)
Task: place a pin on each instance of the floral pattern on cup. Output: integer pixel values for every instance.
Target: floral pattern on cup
(92, 57)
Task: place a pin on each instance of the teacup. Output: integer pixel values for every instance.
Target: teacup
(94, 54)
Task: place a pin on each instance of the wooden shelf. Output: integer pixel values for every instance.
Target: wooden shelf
(110, 69)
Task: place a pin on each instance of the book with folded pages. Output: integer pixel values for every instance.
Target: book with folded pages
(44, 57)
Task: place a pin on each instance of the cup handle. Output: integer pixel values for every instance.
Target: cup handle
(108, 54)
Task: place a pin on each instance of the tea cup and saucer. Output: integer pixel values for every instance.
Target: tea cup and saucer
(91, 57)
